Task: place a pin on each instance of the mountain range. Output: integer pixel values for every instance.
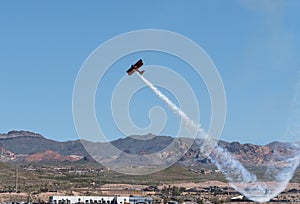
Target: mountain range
(29, 147)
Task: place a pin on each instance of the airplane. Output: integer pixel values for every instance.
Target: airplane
(135, 68)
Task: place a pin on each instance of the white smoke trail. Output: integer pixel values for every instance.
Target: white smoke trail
(247, 183)
(281, 169)
(188, 121)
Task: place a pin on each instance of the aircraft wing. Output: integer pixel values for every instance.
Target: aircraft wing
(130, 71)
(138, 64)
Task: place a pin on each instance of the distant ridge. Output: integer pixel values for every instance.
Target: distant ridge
(25, 146)
(26, 143)
(22, 133)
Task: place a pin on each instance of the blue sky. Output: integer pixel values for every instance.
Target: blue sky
(254, 45)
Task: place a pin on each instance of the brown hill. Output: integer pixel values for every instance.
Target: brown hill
(24, 146)
(51, 156)
(26, 143)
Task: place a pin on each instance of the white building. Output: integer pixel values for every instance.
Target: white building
(100, 200)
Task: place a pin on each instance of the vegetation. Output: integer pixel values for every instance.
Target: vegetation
(52, 178)
(88, 180)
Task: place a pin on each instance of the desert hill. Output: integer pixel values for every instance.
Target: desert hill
(25, 146)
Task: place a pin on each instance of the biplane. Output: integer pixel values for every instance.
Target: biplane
(135, 68)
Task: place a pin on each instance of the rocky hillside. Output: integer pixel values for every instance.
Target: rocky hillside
(24, 146)
(25, 142)
(6, 156)
(50, 156)
(247, 154)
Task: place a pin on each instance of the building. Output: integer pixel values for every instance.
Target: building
(100, 200)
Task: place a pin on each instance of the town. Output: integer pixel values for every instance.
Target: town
(70, 185)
